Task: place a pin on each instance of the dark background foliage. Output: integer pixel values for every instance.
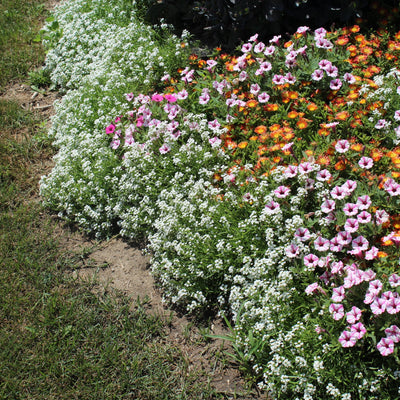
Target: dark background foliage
(227, 23)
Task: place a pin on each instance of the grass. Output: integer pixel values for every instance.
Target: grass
(59, 339)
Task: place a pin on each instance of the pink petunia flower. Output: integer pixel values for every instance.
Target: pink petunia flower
(350, 209)
(317, 75)
(393, 305)
(292, 251)
(351, 225)
(321, 244)
(337, 311)
(110, 129)
(263, 97)
(347, 339)
(164, 149)
(366, 163)
(338, 294)
(290, 171)
(393, 332)
(323, 175)
(372, 253)
(342, 146)
(385, 346)
(282, 192)
(328, 206)
(364, 217)
(272, 207)
(338, 193)
(364, 202)
(335, 84)
(303, 234)
(358, 330)
(378, 306)
(344, 238)
(310, 260)
(394, 280)
(354, 315)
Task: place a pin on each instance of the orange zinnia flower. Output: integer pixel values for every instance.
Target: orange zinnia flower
(376, 154)
(243, 145)
(274, 127)
(355, 29)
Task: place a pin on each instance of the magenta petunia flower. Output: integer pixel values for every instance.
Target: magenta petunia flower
(170, 98)
(335, 246)
(385, 346)
(360, 243)
(246, 47)
(259, 47)
(394, 280)
(110, 129)
(214, 125)
(305, 168)
(278, 79)
(269, 50)
(157, 97)
(381, 124)
(314, 287)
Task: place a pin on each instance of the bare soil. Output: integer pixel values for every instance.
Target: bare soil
(116, 266)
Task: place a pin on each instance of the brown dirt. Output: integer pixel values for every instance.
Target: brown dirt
(118, 267)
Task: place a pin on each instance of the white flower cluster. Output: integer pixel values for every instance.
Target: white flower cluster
(103, 53)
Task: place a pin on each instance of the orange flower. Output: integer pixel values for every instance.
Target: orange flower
(253, 138)
(356, 147)
(376, 154)
(252, 103)
(271, 107)
(261, 129)
(302, 123)
(323, 160)
(277, 159)
(312, 107)
(323, 132)
(355, 29)
(356, 122)
(243, 145)
(292, 114)
(382, 254)
(352, 95)
(342, 41)
(342, 115)
(288, 44)
(274, 127)
(340, 165)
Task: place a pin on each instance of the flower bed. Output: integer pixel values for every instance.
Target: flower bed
(267, 186)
